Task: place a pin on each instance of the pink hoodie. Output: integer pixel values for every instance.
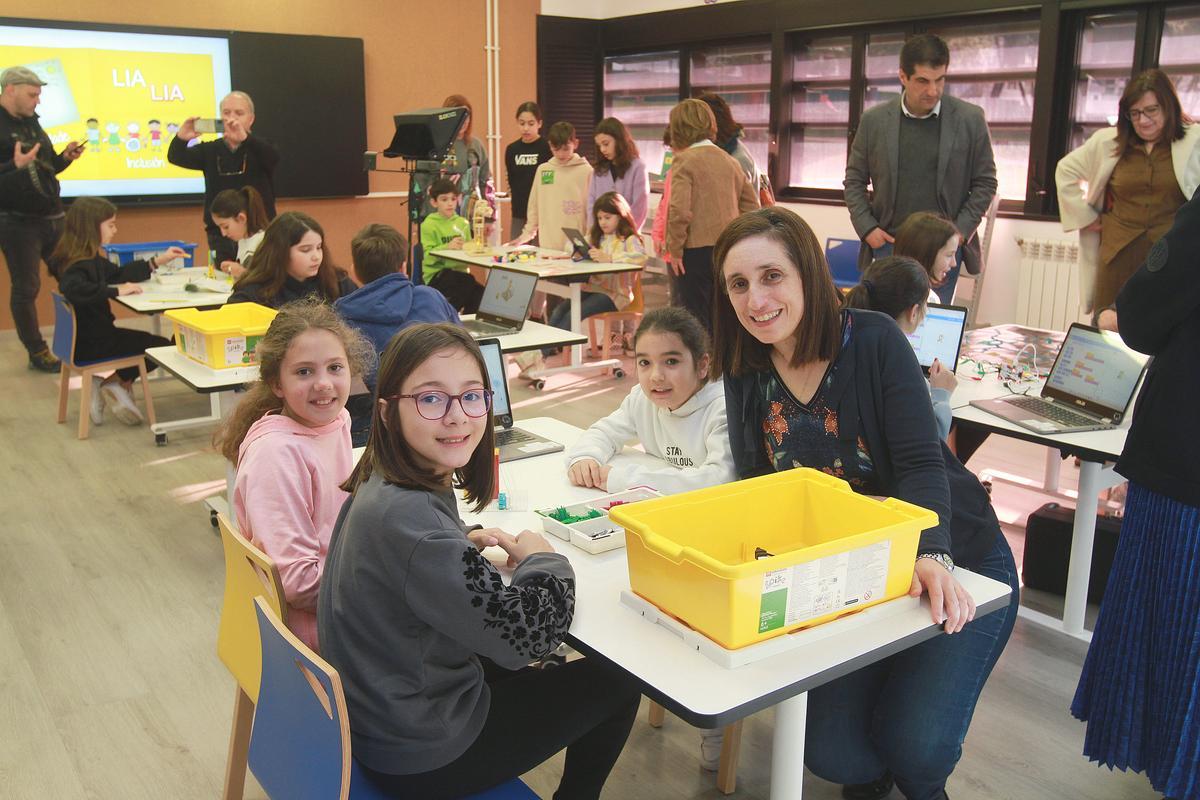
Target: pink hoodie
(286, 500)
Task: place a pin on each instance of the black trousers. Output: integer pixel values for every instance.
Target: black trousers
(459, 288)
(120, 342)
(26, 242)
(694, 288)
(587, 706)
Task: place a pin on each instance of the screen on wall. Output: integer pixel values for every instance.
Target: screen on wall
(123, 94)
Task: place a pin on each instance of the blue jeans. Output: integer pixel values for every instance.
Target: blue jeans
(591, 303)
(945, 292)
(908, 714)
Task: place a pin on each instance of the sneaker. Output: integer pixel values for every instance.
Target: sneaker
(44, 361)
(875, 790)
(711, 740)
(122, 403)
(96, 410)
(529, 361)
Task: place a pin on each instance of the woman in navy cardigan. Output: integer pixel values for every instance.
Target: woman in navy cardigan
(808, 384)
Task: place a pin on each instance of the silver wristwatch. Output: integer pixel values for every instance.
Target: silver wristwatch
(942, 558)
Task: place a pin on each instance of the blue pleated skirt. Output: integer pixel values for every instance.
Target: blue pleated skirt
(1140, 688)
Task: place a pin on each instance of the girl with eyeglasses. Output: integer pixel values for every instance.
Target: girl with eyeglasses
(1120, 189)
(290, 441)
(432, 646)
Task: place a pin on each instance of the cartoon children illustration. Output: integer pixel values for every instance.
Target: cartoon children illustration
(134, 142)
(155, 134)
(114, 137)
(93, 134)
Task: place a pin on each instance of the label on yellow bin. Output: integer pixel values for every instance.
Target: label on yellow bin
(824, 586)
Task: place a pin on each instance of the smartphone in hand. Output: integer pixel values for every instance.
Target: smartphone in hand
(210, 126)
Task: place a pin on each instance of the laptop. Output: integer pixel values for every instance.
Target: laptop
(514, 443)
(505, 303)
(1090, 386)
(939, 336)
(580, 246)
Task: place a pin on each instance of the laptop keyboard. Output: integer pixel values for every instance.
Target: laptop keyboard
(1051, 411)
(506, 436)
(487, 327)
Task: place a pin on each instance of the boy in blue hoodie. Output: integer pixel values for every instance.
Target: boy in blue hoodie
(387, 303)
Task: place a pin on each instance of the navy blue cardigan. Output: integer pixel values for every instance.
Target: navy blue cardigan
(1158, 312)
(879, 393)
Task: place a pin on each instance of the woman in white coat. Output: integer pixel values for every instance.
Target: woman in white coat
(1122, 187)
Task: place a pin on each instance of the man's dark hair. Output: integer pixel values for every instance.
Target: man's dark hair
(924, 48)
(443, 186)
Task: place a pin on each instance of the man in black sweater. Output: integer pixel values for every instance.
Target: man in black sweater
(237, 159)
(31, 212)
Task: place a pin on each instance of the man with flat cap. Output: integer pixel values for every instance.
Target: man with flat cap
(31, 210)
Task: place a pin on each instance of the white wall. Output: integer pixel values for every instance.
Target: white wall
(607, 9)
(999, 302)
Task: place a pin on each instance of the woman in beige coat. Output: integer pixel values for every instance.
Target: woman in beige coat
(1122, 187)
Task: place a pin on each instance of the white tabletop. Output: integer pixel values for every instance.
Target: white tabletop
(550, 264)
(688, 683)
(534, 335)
(201, 377)
(167, 292)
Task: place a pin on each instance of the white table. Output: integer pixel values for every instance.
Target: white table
(549, 266)
(158, 296)
(534, 336)
(691, 685)
(1096, 451)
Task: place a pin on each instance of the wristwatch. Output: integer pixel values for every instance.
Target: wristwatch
(942, 558)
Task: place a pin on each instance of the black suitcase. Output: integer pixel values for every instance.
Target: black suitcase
(1048, 550)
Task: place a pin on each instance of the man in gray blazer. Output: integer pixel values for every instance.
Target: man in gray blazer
(923, 151)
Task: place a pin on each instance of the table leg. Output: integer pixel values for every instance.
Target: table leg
(1082, 535)
(573, 292)
(787, 750)
(1053, 468)
(222, 404)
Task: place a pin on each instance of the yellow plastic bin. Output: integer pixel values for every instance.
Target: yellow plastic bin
(751, 560)
(224, 337)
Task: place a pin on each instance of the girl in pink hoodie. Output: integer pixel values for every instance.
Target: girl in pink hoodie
(290, 441)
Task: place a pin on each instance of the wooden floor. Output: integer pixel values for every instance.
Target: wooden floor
(110, 584)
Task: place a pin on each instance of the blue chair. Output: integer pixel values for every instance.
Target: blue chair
(63, 346)
(300, 742)
(842, 257)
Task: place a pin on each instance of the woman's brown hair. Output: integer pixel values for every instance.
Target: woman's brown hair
(387, 453)
(80, 240)
(1156, 81)
(230, 202)
(727, 126)
(268, 270)
(626, 149)
(921, 236)
(292, 320)
(691, 121)
(818, 336)
(459, 100)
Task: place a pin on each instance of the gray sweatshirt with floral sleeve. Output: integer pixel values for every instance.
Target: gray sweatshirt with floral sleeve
(408, 605)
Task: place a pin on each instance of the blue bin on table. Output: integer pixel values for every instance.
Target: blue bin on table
(121, 254)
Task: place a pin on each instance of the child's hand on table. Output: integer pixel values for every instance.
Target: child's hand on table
(589, 473)
(128, 288)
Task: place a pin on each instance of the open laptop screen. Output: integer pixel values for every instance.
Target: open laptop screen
(507, 293)
(939, 336)
(497, 377)
(1097, 367)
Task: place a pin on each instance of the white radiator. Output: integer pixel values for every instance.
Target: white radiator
(1048, 284)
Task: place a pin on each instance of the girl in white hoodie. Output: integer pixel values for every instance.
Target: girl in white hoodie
(674, 411)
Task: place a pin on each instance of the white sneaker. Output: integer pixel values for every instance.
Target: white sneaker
(96, 406)
(711, 740)
(122, 403)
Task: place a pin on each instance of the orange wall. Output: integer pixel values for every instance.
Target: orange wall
(416, 53)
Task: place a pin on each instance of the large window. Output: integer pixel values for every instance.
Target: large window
(1105, 58)
(741, 74)
(1179, 55)
(820, 111)
(994, 67)
(640, 90)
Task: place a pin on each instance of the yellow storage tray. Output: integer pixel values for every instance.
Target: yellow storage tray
(224, 337)
(747, 561)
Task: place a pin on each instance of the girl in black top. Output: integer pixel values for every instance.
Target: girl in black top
(88, 280)
(291, 264)
(521, 159)
(841, 391)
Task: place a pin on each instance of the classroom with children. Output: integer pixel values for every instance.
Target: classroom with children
(625, 399)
